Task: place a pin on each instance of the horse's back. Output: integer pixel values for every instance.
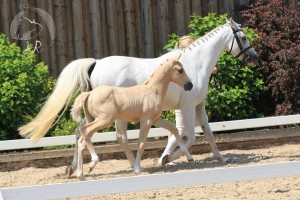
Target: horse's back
(123, 71)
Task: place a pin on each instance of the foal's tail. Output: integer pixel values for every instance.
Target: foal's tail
(78, 104)
(74, 77)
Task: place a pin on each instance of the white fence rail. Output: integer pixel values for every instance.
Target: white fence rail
(152, 182)
(154, 132)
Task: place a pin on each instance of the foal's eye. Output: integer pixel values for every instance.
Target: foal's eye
(180, 70)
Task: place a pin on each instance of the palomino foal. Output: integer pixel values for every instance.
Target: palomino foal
(140, 103)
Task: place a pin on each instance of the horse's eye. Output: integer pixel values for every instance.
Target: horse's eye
(244, 39)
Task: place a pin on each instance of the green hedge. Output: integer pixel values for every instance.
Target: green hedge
(23, 85)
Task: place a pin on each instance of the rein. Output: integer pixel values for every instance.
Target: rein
(242, 49)
(215, 81)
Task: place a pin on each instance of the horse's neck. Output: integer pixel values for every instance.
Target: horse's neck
(203, 54)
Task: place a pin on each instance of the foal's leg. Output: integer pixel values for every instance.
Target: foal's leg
(121, 134)
(170, 127)
(95, 158)
(203, 121)
(144, 129)
(85, 140)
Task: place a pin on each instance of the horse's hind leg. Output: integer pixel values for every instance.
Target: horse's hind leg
(71, 169)
(81, 147)
(202, 119)
(172, 128)
(121, 127)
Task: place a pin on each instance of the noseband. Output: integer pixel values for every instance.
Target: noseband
(242, 49)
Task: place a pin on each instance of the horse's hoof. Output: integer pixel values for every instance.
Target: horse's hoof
(224, 160)
(136, 172)
(165, 160)
(191, 160)
(69, 171)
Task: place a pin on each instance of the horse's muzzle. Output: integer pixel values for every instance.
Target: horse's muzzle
(188, 86)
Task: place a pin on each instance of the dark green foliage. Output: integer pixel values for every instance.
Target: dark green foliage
(279, 28)
(23, 85)
(235, 92)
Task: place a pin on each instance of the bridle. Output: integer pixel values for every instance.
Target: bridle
(242, 49)
(213, 77)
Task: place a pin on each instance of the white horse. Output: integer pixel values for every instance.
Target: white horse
(198, 61)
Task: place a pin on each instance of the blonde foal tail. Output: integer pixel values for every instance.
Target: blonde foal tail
(78, 104)
(74, 77)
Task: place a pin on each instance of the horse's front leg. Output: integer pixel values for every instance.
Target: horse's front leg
(202, 119)
(121, 133)
(172, 128)
(172, 143)
(188, 120)
(144, 129)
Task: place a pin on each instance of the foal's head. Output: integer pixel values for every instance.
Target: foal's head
(178, 75)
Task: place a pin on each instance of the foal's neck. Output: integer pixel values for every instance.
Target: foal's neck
(159, 81)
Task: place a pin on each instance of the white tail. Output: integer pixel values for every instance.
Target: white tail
(74, 77)
(78, 104)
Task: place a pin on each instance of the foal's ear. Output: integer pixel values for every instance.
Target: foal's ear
(176, 57)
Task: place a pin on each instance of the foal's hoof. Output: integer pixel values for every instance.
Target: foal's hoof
(165, 160)
(69, 171)
(90, 169)
(81, 178)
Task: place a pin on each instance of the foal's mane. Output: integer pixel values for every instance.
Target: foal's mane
(154, 73)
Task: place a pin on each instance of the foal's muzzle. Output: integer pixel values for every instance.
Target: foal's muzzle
(188, 86)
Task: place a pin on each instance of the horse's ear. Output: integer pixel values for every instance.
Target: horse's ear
(176, 57)
(232, 22)
(227, 21)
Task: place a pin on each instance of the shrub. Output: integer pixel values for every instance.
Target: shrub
(238, 90)
(278, 26)
(24, 82)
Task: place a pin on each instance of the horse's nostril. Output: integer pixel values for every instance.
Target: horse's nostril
(188, 86)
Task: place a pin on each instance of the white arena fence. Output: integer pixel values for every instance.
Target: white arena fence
(151, 182)
(157, 181)
(154, 132)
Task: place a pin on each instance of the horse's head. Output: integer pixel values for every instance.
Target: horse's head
(239, 46)
(178, 74)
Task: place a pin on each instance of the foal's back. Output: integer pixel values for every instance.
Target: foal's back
(123, 103)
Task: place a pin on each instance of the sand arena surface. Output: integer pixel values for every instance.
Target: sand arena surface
(280, 188)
